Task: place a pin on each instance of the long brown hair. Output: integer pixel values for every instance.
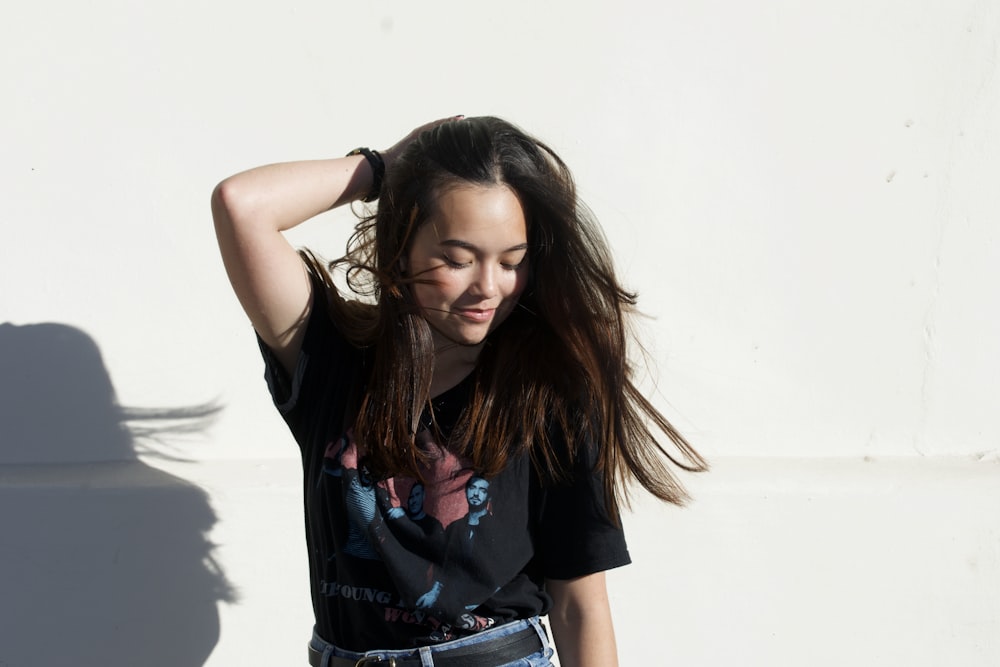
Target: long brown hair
(556, 371)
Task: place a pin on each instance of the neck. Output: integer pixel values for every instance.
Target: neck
(452, 363)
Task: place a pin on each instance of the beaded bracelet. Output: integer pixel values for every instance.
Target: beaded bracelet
(378, 171)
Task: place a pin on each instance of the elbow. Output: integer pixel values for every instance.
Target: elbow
(227, 201)
(576, 600)
(235, 205)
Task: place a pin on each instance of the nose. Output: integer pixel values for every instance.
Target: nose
(485, 284)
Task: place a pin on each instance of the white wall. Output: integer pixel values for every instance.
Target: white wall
(804, 194)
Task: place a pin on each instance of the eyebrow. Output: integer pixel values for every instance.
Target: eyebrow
(465, 245)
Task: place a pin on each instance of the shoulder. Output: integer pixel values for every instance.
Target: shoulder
(327, 354)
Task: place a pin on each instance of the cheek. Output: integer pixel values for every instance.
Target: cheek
(518, 283)
(443, 289)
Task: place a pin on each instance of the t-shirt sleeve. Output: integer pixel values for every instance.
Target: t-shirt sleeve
(322, 376)
(577, 536)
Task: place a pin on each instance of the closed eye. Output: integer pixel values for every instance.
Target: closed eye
(453, 263)
(515, 265)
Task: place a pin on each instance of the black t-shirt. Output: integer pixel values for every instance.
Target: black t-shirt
(395, 563)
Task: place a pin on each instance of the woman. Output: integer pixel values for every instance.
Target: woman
(479, 369)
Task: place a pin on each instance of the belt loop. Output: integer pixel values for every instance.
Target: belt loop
(426, 657)
(327, 654)
(540, 629)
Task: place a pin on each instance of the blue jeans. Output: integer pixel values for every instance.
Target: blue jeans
(426, 654)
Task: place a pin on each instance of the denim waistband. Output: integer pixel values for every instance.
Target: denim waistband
(325, 654)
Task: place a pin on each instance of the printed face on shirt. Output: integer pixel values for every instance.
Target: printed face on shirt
(477, 492)
(473, 255)
(415, 501)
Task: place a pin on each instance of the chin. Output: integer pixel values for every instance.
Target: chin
(470, 341)
(465, 337)
(465, 334)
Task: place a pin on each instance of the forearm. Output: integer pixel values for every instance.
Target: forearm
(581, 622)
(280, 196)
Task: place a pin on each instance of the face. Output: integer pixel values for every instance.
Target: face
(415, 502)
(477, 492)
(473, 253)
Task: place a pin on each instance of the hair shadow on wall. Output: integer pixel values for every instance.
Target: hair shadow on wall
(104, 560)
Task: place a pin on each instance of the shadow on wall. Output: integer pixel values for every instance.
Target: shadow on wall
(104, 560)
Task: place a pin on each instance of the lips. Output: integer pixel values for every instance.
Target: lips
(477, 314)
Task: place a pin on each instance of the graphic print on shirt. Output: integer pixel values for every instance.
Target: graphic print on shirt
(429, 526)
(435, 537)
(468, 542)
(359, 500)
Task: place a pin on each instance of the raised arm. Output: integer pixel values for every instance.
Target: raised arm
(581, 621)
(253, 208)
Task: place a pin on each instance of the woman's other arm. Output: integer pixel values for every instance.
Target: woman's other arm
(581, 621)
